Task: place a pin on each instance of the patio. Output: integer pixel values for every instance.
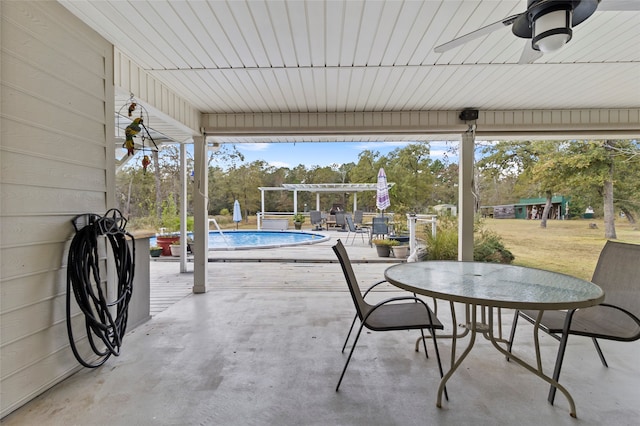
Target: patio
(262, 347)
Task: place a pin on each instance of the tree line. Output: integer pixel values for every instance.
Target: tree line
(602, 174)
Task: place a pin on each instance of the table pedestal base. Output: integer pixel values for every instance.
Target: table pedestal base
(473, 327)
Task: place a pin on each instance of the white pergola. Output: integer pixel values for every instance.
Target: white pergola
(318, 188)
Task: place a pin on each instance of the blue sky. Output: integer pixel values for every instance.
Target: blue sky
(326, 153)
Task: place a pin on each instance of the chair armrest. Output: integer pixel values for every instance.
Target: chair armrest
(623, 310)
(631, 314)
(371, 288)
(400, 298)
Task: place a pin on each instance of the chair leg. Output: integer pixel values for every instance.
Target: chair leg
(435, 345)
(423, 344)
(560, 357)
(513, 331)
(349, 357)
(349, 334)
(600, 354)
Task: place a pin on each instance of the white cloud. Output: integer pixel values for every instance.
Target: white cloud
(252, 146)
(278, 164)
(377, 145)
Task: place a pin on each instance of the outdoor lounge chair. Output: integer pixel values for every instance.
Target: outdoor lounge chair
(379, 228)
(353, 229)
(358, 217)
(617, 318)
(316, 219)
(340, 222)
(411, 314)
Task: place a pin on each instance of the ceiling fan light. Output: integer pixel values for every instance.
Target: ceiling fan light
(551, 29)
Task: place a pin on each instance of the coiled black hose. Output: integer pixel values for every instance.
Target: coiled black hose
(105, 321)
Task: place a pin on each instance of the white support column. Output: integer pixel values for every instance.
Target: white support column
(318, 201)
(201, 223)
(295, 201)
(412, 220)
(465, 197)
(183, 207)
(355, 201)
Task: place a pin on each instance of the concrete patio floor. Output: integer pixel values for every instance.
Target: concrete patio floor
(262, 347)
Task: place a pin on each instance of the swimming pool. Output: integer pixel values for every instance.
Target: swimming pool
(246, 240)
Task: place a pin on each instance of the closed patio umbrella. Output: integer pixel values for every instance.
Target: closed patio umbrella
(237, 214)
(382, 192)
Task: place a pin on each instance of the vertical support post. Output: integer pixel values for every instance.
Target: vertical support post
(318, 201)
(183, 207)
(412, 219)
(201, 223)
(434, 226)
(465, 197)
(295, 201)
(355, 202)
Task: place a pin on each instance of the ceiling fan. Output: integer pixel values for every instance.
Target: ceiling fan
(547, 23)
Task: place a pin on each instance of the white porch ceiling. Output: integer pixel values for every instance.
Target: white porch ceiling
(319, 56)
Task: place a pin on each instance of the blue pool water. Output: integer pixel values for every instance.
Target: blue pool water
(245, 240)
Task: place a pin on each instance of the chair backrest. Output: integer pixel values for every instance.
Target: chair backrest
(362, 307)
(315, 216)
(357, 217)
(340, 218)
(379, 226)
(350, 225)
(618, 273)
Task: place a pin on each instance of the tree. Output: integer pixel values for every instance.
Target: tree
(579, 168)
(410, 168)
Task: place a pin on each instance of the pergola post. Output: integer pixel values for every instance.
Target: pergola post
(295, 201)
(318, 201)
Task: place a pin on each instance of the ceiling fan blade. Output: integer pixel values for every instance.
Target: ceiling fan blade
(529, 54)
(476, 34)
(619, 5)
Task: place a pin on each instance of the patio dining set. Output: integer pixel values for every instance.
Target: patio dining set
(557, 304)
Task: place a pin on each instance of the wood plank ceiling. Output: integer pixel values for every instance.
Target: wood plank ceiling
(276, 56)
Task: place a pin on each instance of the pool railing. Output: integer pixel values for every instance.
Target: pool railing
(219, 230)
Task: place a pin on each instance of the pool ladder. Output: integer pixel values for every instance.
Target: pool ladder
(219, 230)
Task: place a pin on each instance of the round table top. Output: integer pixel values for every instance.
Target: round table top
(494, 284)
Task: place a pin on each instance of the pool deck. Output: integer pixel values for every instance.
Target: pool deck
(359, 252)
(169, 286)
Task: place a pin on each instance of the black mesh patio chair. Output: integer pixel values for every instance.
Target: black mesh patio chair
(617, 318)
(353, 229)
(340, 220)
(396, 313)
(358, 217)
(379, 228)
(316, 219)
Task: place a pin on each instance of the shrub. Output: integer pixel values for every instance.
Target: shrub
(385, 242)
(445, 245)
(488, 246)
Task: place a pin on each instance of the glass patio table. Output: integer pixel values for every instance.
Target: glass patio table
(489, 286)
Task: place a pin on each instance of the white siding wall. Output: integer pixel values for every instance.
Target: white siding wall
(56, 159)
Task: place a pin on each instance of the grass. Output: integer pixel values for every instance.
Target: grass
(566, 246)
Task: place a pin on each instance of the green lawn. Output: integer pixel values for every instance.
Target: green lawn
(567, 246)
